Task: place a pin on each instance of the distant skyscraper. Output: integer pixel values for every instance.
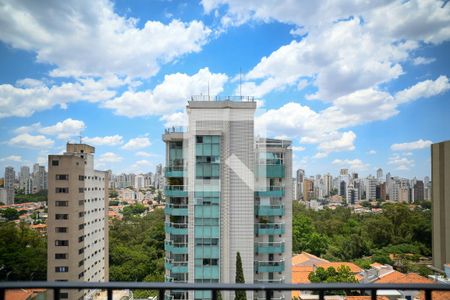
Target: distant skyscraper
(39, 177)
(440, 178)
(419, 191)
(10, 177)
(344, 172)
(328, 184)
(77, 220)
(299, 182)
(25, 182)
(380, 174)
(371, 188)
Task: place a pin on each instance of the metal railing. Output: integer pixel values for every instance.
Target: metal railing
(222, 98)
(321, 288)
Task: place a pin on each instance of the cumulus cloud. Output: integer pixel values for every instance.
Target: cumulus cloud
(111, 140)
(26, 140)
(64, 129)
(298, 148)
(90, 39)
(424, 89)
(415, 145)
(137, 143)
(169, 96)
(372, 152)
(108, 157)
(175, 119)
(15, 158)
(420, 60)
(401, 162)
(352, 164)
(144, 154)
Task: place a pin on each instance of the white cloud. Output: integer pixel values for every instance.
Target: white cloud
(141, 166)
(144, 154)
(110, 140)
(26, 140)
(342, 143)
(15, 158)
(352, 164)
(109, 157)
(23, 100)
(401, 163)
(137, 143)
(424, 89)
(298, 148)
(420, 60)
(64, 129)
(415, 145)
(90, 39)
(175, 119)
(372, 152)
(169, 96)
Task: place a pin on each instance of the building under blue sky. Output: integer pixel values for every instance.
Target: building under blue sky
(354, 85)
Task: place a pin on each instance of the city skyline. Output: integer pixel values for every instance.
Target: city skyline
(351, 90)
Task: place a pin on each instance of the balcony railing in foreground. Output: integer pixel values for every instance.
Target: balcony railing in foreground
(268, 288)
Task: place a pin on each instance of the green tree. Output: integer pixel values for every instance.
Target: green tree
(10, 214)
(239, 295)
(331, 275)
(133, 210)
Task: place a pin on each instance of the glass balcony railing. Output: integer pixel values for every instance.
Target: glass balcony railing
(176, 191)
(176, 267)
(267, 280)
(176, 210)
(269, 210)
(271, 191)
(269, 266)
(176, 228)
(269, 248)
(270, 228)
(176, 248)
(271, 171)
(176, 172)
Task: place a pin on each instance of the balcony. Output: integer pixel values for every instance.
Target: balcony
(180, 210)
(271, 171)
(176, 228)
(270, 228)
(269, 266)
(269, 248)
(176, 267)
(176, 191)
(263, 280)
(269, 210)
(271, 191)
(176, 248)
(175, 172)
(369, 289)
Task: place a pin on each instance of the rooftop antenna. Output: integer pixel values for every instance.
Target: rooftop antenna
(209, 99)
(240, 83)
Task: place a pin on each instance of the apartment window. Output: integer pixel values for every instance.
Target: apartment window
(55, 162)
(61, 269)
(62, 190)
(80, 263)
(62, 177)
(81, 178)
(62, 203)
(81, 214)
(61, 216)
(81, 226)
(61, 229)
(81, 251)
(80, 239)
(80, 202)
(60, 255)
(81, 190)
(63, 295)
(61, 243)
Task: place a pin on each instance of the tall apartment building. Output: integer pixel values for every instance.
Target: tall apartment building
(299, 182)
(217, 178)
(77, 219)
(25, 181)
(440, 176)
(39, 177)
(10, 177)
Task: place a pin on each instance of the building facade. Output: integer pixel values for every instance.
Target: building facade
(10, 178)
(440, 178)
(77, 220)
(217, 177)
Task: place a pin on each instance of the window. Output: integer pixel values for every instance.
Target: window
(60, 255)
(61, 229)
(63, 295)
(61, 269)
(80, 263)
(80, 202)
(81, 251)
(81, 226)
(61, 216)
(62, 203)
(61, 243)
(81, 214)
(55, 162)
(80, 239)
(62, 190)
(80, 190)
(81, 178)
(62, 177)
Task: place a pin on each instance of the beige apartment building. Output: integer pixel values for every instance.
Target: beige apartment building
(440, 179)
(77, 220)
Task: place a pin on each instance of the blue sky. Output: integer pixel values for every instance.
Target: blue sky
(354, 85)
